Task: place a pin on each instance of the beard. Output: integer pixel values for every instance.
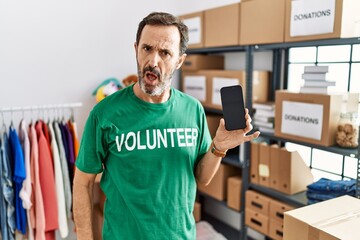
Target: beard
(164, 81)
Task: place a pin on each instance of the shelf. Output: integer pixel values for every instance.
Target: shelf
(284, 45)
(310, 43)
(201, 194)
(213, 110)
(297, 200)
(232, 159)
(334, 149)
(216, 50)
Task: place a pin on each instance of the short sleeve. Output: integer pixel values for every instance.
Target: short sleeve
(92, 151)
(205, 137)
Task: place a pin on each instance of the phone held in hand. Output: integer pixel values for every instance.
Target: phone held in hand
(232, 102)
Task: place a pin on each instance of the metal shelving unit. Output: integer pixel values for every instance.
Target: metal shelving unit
(280, 59)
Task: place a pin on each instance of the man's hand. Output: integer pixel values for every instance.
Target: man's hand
(225, 140)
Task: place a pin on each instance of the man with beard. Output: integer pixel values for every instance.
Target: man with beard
(152, 144)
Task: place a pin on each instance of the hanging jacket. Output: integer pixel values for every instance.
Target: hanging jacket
(25, 192)
(18, 178)
(37, 211)
(7, 191)
(59, 185)
(47, 182)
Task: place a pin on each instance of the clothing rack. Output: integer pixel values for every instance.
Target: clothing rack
(41, 107)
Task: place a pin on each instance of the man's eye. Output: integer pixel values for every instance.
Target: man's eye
(146, 49)
(166, 53)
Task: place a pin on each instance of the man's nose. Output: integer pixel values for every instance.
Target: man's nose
(154, 59)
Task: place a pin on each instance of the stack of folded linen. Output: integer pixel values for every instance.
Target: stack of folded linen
(325, 189)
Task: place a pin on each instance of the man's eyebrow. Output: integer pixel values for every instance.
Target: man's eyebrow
(146, 45)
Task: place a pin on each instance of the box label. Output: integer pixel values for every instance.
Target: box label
(302, 119)
(219, 83)
(196, 86)
(194, 26)
(311, 17)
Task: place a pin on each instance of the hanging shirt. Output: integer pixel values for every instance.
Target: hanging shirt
(73, 129)
(3, 225)
(71, 159)
(19, 177)
(64, 168)
(59, 185)
(37, 214)
(47, 182)
(8, 188)
(25, 192)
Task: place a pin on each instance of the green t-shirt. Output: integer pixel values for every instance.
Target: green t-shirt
(147, 153)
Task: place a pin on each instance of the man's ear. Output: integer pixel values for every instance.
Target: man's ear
(181, 61)
(135, 47)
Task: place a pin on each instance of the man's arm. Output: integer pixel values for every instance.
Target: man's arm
(223, 140)
(83, 203)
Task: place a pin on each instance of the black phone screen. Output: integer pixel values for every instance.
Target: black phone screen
(232, 102)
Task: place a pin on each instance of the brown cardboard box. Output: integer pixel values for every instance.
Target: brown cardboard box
(194, 62)
(338, 218)
(262, 21)
(346, 15)
(303, 121)
(276, 229)
(196, 24)
(222, 26)
(213, 123)
(195, 84)
(233, 192)
(275, 174)
(217, 187)
(257, 202)
(277, 210)
(221, 78)
(257, 221)
(264, 164)
(295, 175)
(254, 162)
(197, 211)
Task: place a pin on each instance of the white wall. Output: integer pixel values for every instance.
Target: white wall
(55, 52)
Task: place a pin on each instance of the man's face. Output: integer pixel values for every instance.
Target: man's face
(157, 58)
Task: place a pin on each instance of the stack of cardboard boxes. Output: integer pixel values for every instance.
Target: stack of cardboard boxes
(265, 215)
(253, 22)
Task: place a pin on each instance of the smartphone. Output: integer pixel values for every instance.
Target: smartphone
(232, 102)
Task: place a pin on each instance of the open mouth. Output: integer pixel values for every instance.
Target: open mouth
(151, 76)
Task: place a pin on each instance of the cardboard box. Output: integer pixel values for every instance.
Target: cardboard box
(196, 85)
(222, 26)
(234, 192)
(194, 62)
(213, 123)
(307, 117)
(257, 221)
(195, 23)
(222, 78)
(254, 162)
(338, 218)
(262, 21)
(277, 210)
(295, 175)
(257, 202)
(197, 211)
(276, 229)
(217, 187)
(309, 22)
(275, 174)
(264, 164)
